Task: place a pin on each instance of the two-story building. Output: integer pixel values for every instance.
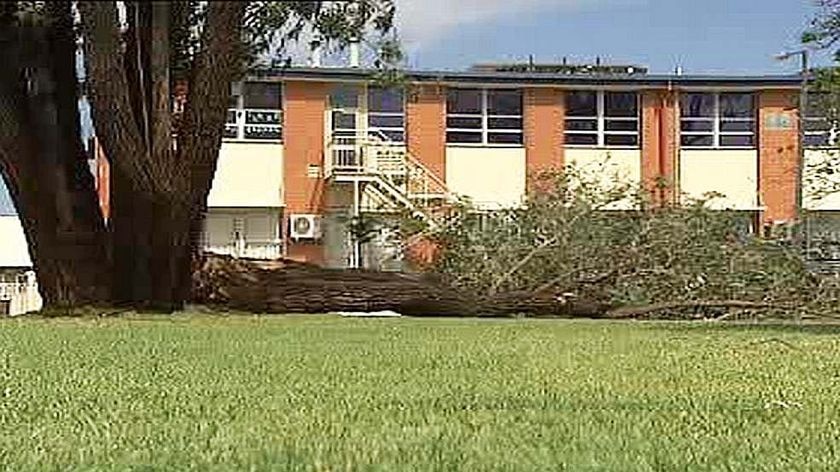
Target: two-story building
(307, 149)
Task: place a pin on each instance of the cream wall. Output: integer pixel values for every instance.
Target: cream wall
(248, 175)
(491, 177)
(826, 202)
(732, 173)
(613, 165)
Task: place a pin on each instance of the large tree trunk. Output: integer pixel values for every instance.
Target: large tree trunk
(291, 287)
(43, 164)
(159, 190)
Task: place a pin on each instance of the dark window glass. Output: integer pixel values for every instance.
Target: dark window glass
(262, 117)
(581, 104)
(582, 125)
(231, 116)
(697, 140)
(687, 125)
(385, 121)
(737, 140)
(737, 126)
(344, 120)
(737, 105)
(697, 105)
(463, 101)
(621, 104)
(621, 139)
(817, 125)
(233, 101)
(621, 125)
(261, 95)
(460, 122)
(504, 138)
(230, 132)
(816, 140)
(504, 123)
(393, 135)
(462, 137)
(582, 139)
(344, 96)
(385, 100)
(504, 102)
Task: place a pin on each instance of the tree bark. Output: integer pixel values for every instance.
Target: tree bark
(42, 161)
(291, 287)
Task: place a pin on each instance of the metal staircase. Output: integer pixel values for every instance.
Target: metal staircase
(385, 173)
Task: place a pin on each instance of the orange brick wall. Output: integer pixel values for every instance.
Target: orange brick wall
(659, 145)
(544, 114)
(304, 107)
(103, 177)
(778, 156)
(426, 126)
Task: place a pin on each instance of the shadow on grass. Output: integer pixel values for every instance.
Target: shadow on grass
(817, 328)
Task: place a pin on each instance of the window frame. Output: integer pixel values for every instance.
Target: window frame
(716, 133)
(384, 130)
(601, 132)
(484, 115)
(239, 124)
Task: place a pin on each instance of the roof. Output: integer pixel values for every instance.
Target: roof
(485, 77)
(13, 249)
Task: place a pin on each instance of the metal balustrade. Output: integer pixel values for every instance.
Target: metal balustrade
(253, 124)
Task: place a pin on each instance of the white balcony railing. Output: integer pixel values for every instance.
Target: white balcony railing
(20, 297)
(265, 249)
(254, 124)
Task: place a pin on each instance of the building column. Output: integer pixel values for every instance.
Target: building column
(543, 122)
(426, 126)
(660, 146)
(304, 111)
(778, 144)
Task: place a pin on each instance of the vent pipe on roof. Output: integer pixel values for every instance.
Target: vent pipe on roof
(355, 53)
(317, 52)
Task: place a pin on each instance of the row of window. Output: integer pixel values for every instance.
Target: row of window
(495, 117)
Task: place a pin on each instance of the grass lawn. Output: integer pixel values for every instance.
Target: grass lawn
(326, 393)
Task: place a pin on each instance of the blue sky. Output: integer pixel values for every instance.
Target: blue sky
(713, 36)
(701, 36)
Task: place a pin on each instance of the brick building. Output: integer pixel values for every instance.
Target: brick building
(308, 149)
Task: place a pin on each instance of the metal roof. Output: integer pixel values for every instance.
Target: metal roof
(537, 78)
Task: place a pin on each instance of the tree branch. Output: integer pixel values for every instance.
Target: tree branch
(111, 108)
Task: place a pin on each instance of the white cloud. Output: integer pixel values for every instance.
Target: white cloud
(421, 23)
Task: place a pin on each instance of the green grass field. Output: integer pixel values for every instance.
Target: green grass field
(326, 393)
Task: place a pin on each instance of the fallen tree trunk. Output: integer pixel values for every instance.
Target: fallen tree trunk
(293, 287)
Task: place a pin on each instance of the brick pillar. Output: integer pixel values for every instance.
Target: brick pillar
(778, 136)
(304, 108)
(544, 114)
(659, 145)
(426, 126)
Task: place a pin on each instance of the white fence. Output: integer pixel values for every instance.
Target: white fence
(19, 296)
(272, 249)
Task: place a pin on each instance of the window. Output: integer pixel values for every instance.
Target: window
(482, 116)
(256, 112)
(819, 128)
(711, 120)
(598, 118)
(386, 116)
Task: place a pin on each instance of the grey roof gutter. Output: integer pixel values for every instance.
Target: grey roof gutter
(538, 79)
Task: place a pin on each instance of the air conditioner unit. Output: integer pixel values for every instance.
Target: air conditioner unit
(305, 226)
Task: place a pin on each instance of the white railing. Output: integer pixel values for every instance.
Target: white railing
(254, 124)
(259, 249)
(17, 298)
(375, 153)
